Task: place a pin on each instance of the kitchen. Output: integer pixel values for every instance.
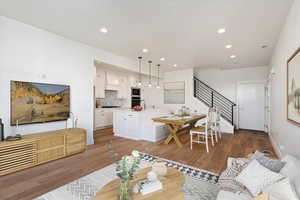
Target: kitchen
(116, 93)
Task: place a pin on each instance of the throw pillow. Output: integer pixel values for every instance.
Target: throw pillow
(227, 180)
(274, 165)
(291, 170)
(282, 190)
(297, 185)
(225, 195)
(256, 177)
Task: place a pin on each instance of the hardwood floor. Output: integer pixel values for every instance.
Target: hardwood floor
(30, 183)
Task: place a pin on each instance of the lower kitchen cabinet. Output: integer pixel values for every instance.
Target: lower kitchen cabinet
(103, 118)
(126, 125)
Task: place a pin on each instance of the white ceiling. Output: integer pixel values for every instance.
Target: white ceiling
(182, 31)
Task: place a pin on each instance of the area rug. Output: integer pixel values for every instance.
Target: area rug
(199, 184)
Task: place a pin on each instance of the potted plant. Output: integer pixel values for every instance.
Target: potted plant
(125, 170)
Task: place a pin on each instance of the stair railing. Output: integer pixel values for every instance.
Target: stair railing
(212, 98)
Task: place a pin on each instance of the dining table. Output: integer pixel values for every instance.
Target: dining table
(177, 124)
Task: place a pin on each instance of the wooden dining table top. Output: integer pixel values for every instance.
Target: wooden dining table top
(179, 120)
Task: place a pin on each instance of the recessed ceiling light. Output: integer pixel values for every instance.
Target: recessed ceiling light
(103, 30)
(228, 46)
(145, 50)
(162, 59)
(233, 56)
(221, 30)
(175, 65)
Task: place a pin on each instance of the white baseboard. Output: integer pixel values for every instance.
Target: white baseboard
(276, 146)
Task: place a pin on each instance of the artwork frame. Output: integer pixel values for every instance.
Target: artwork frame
(174, 92)
(293, 88)
(41, 100)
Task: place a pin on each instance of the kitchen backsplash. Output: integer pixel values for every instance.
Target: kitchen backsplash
(111, 99)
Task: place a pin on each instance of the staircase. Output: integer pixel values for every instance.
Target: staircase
(212, 98)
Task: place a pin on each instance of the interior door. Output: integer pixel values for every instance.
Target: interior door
(251, 98)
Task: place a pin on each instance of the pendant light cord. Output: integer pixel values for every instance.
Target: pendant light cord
(140, 69)
(150, 72)
(158, 66)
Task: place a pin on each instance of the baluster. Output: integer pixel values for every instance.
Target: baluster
(232, 114)
(212, 98)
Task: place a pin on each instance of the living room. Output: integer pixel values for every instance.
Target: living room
(191, 62)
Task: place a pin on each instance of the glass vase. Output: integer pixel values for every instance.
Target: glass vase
(124, 190)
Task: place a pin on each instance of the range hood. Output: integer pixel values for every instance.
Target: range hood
(112, 87)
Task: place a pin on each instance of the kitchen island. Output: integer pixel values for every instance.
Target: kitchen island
(138, 125)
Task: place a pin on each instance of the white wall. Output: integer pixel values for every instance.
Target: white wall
(283, 132)
(226, 81)
(31, 54)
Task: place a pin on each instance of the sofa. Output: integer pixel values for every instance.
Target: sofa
(259, 177)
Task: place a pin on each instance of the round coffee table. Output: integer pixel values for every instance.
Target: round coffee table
(172, 187)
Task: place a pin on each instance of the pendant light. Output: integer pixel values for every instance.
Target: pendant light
(150, 84)
(158, 68)
(140, 71)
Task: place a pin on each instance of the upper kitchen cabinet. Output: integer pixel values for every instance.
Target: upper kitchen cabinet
(123, 88)
(120, 81)
(112, 81)
(133, 81)
(100, 85)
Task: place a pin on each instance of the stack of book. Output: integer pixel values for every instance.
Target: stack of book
(146, 186)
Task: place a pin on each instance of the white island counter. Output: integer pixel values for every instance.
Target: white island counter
(139, 125)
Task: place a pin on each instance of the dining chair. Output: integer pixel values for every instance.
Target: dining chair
(212, 122)
(202, 133)
(218, 122)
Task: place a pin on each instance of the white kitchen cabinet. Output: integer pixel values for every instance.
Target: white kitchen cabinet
(131, 130)
(100, 120)
(123, 92)
(118, 123)
(126, 125)
(109, 117)
(112, 78)
(139, 125)
(103, 118)
(132, 81)
(100, 85)
(109, 80)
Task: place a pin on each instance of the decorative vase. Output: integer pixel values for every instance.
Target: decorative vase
(159, 168)
(124, 190)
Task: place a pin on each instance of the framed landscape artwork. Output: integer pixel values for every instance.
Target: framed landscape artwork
(293, 88)
(174, 93)
(38, 102)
